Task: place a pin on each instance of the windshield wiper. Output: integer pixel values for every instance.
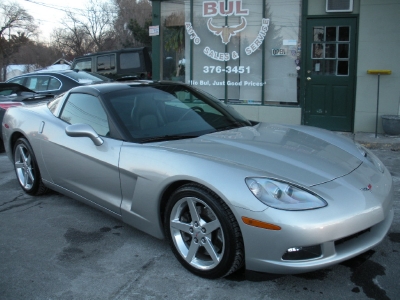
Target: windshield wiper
(234, 125)
(167, 138)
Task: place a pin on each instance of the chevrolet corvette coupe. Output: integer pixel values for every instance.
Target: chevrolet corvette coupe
(225, 192)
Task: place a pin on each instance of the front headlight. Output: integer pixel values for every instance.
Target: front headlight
(282, 195)
(371, 158)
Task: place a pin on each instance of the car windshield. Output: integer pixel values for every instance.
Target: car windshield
(83, 77)
(166, 112)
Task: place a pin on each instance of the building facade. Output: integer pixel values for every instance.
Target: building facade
(286, 61)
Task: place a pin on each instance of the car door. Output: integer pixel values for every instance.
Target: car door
(76, 163)
(37, 83)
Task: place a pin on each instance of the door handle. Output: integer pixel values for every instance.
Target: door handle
(308, 78)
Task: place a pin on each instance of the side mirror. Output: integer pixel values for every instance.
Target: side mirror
(84, 130)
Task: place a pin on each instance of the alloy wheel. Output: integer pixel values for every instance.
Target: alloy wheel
(197, 233)
(24, 167)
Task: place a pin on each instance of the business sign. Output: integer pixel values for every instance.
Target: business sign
(154, 30)
(231, 8)
(278, 52)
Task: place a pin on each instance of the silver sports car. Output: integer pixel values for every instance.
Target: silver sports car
(225, 192)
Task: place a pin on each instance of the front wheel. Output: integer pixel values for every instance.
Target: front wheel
(26, 168)
(203, 232)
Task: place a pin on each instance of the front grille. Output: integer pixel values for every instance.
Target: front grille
(350, 237)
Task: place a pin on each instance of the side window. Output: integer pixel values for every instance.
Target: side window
(130, 60)
(84, 65)
(54, 84)
(86, 109)
(106, 62)
(38, 83)
(18, 80)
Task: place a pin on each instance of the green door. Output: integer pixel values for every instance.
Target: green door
(330, 73)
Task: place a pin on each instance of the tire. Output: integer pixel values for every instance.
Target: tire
(26, 168)
(203, 232)
(2, 148)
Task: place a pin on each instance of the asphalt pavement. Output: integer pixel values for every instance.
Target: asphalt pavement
(53, 247)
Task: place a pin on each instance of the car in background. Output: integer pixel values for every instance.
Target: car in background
(13, 94)
(225, 192)
(58, 81)
(131, 63)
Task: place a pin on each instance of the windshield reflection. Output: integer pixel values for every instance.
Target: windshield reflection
(163, 112)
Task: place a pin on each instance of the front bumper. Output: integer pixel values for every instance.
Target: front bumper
(332, 252)
(354, 221)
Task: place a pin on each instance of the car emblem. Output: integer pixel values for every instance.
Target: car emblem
(368, 188)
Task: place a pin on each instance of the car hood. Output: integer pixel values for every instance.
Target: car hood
(300, 154)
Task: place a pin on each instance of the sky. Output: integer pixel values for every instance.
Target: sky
(48, 13)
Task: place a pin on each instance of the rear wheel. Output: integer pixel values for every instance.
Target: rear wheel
(26, 168)
(203, 232)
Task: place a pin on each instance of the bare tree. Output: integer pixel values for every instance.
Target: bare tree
(98, 23)
(104, 26)
(72, 39)
(86, 31)
(14, 18)
(16, 26)
(37, 54)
